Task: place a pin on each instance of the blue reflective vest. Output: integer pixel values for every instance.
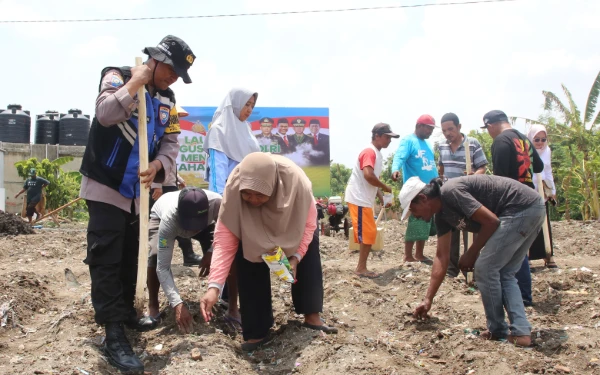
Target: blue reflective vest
(112, 153)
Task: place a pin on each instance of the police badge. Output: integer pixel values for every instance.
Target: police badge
(163, 114)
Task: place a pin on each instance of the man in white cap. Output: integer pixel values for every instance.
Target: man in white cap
(507, 217)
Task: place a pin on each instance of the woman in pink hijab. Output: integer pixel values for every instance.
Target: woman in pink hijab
(538, 135)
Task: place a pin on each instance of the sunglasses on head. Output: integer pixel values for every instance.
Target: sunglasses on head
(539, 139)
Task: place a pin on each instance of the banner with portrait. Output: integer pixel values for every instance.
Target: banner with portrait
(300, 134)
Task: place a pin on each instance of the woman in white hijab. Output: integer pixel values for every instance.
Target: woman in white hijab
(227, 142)
(230, 137)
(538, 135)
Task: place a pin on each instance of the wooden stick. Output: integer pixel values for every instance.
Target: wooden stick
(380, 215)
(469, 234)
(547, 243)
(58, 209)
(140, 289)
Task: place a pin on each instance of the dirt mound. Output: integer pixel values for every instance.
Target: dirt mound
(378, 334)
(21, 295)
(13, 225)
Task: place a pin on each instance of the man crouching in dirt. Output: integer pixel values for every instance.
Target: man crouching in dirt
(507, 216)
(189, 213)
(111, 183)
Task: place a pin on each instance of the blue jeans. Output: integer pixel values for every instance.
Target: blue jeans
(495, 270)
(524, 281)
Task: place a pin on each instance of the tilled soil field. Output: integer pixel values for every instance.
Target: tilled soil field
(48, 326)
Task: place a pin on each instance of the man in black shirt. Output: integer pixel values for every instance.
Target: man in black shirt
(33, 186)
(514, 157)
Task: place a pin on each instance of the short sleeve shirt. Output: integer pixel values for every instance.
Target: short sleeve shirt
(359, 191)
(462, 196)
(34, 188)
(455, 164)
(415, 157)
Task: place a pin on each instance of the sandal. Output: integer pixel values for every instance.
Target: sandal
(325, 328)
(368, 275)
(252, 346)
(551, 264)
(487, 335)
(234, 323)
(427, 261)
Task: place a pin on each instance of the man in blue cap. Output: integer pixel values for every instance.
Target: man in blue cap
(111, 182)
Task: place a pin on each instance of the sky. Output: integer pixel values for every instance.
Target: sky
(365, 66)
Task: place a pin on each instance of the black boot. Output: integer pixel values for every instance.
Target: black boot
(144, 324)
(118, 350)
(189, 257)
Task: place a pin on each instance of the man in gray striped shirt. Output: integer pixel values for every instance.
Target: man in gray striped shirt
(452, 164)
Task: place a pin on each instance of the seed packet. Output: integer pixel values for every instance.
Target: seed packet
(278, 264)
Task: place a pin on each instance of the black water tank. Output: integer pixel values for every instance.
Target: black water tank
(15, 125)
(73, 129)
(46, 128)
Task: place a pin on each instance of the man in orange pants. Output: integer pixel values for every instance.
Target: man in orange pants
(363, 187)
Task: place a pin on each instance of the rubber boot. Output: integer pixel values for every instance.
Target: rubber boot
(118, 351)
(190, 258)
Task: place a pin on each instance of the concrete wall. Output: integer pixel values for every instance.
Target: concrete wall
(15, 152)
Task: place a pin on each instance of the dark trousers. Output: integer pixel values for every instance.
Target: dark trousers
(112, 256)
(185, 244)
(30, 209)
(254, 282)
(538, 248)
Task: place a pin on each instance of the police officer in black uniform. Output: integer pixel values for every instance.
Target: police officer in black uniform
(111, 185)
(267, 141)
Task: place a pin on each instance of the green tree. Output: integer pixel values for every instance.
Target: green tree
(386, 178)
(64, 186)
(340, 175)
(486, 144)
(577, 155)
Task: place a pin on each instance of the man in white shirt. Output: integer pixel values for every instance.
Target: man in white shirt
(363, 188)
(189, 213)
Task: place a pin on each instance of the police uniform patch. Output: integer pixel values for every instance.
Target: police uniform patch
(174, 126)
(163, 115)
(116, 80)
